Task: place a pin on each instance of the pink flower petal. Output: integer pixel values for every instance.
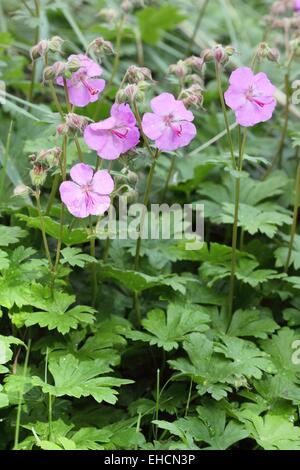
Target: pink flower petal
(264, 85)
(181, 113)
(241, 78)
(110, 147)
(163, 104)
(132, 139)
(170, 140)
(123, 115)
(79, 95)
(102, 182)
(234, 98)
(153, 125)
(73, 197)
(97, 204)
(81, 173)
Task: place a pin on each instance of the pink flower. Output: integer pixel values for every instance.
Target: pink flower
(250, 96)
(83, 86)
(88, 193)
(169, 124)
(297, 5)
(115, 135)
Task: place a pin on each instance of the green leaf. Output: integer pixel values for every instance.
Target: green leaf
(273, 432)
(74, 257)
(139, 282)
(4, 261)
(281, 254)
(75, 236)
(10, 235)
(255, 322)
(6, 352)
(154, 20)
(56, 314)
(168, 329)
(210, 426)
(81, 379)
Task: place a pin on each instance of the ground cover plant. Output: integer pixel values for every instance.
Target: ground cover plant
(110, 339)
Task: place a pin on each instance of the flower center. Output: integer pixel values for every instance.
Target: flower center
(250, 96)
(86, 188)
(92, 90)
(169, 121)
(122, 133)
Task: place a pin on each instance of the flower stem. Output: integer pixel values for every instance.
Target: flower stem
(43, 229)
(145, 204)
(93, 265)
(295, 219)
(19, 410)
(62, 212)
(169, 176)
(200, 16)
(52, 194)
(139, 121)
(219, 84)
(242, 143)
(36, 40)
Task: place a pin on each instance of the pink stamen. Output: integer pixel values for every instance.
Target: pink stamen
(177, 130)
(119, 134)
(93, 91)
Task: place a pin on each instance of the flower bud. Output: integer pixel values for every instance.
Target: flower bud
(136, 74)
(132, 196)
(39, 50)
(132, 177)
(73, 65)
(207, 55)
(132, 92)
(179, 70)
(38, 175)
(193, 96)
(55, 44)
(101, 47)
(121, 96)
(76, 122)
(273, 55)
(220, 55)
(108, 14)
(197, 63)
(54, 71)
(21, 190)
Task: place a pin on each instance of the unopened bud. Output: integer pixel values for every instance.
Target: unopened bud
(109, 14)
(132, 92)
(132, 177)
(220, 55)
(193, 96)
(55, 44)
(197, 63)
(39, 50)
(54, 71)
(132, 196)
(207, 55)
(38, 175)
(273, 55)
(76, 122)
(136, 74)
(101, 47)
(21, 190)
(121, 96)
(179, 70)
(73, 65)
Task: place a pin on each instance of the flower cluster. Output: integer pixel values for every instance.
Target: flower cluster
(169, 125)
